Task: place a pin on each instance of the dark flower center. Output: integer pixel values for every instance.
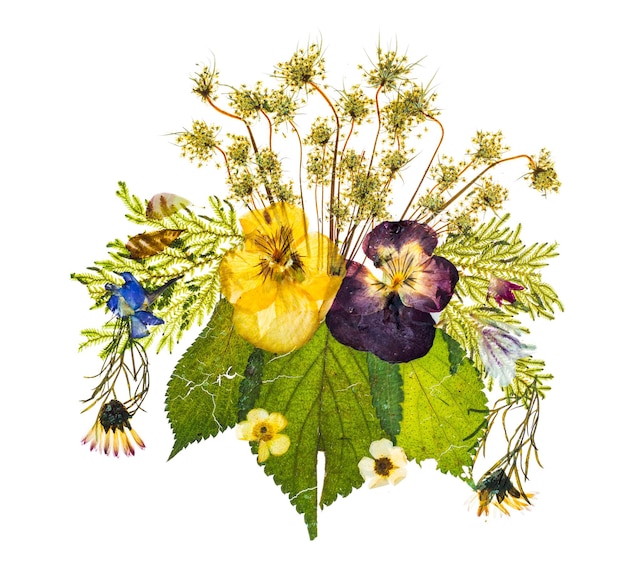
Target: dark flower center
(497, 484)
(279, 261)
(383, 466)
(114, 416)
(263, 433)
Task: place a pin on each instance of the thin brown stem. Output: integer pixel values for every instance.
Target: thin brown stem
(225, 159)
(331, 221)
(270, 197)
(430, 163)
(271, 128)
(378, 128)
(478, 176)
(295, 130)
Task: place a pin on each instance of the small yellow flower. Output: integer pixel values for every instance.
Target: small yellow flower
(283, 281)
(263, 427)
(497, 489)
(388, 464)
(111, 431)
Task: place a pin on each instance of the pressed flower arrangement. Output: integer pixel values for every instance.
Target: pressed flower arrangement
(339, 320)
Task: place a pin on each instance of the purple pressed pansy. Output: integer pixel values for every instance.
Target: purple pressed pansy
(390, 317)
(131, 300)
(502, 290)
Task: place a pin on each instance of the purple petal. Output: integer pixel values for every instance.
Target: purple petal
(360, 291)
(502, 290)
(396, 333)
(380, 243)
(431, 286)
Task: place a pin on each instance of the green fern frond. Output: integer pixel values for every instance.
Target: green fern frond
(528, 371)
(495, 250)
(190, 307)
(95, 337)
(194, 256)
(459, 321)
(134, 205)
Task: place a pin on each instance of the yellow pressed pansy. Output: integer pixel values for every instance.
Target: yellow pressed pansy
(283, 281)
(263, 427)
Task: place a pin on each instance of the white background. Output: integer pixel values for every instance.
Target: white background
(89, 95)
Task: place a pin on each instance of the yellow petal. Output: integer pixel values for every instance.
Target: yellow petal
(269, 221)
(137, 439)
(279, 444)
(264, 452)
(116, 442)
(257, 415)
(126, 445)
(324, 267)
(240, 275)
(244, 430)
(259, 298)
(278, 421)
(320, 254)
(287, 324)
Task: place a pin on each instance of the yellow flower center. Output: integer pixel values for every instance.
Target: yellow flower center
(279, 261)
(400, 270)
(263, 432)
(383, 466)
(397, 281)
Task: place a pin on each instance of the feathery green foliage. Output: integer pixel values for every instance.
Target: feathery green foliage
(495, 250)
(195, 256)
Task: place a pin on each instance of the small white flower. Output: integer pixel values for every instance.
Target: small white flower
(387, 465)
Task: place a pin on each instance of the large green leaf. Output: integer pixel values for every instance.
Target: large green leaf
(444, 407)
(203, 392)
(387, 394)
(323, 391)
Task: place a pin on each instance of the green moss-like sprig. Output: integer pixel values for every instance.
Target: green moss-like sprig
(194, 257)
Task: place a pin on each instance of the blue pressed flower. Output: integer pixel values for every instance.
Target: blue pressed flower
(390, 316)
(131, 300)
